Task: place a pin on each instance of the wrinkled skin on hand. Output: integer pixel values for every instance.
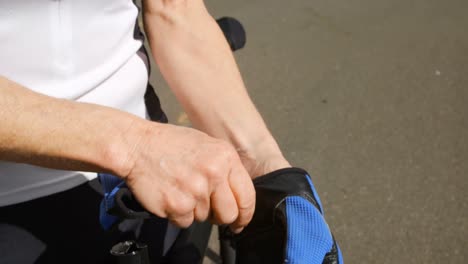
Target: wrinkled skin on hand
(184, 175)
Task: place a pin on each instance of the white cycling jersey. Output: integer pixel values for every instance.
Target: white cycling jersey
(82, 50)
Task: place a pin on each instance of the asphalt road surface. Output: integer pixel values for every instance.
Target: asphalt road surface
(371, 97)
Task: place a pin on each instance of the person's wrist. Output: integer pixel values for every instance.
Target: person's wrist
(122, 149)
(262, 156)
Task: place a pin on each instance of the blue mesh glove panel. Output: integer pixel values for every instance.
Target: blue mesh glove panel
(309, 238)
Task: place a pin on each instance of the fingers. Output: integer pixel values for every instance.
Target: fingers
(244, 193)
(202, 210)
(189, 203)
(223, 205)
(180, 209)
(182, 221)
(232, 200)
(189, 174)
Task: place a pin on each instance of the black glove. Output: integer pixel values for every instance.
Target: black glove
(288, 224)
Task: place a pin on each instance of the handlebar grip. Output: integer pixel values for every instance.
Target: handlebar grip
(233, 31)
(126, 206)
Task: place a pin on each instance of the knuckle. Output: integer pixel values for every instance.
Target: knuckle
(199, 188)
(179, 206)
(221, 161)
(166, 204)
(214, 170)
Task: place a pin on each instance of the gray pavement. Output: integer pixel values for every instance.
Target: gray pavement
(371, 97)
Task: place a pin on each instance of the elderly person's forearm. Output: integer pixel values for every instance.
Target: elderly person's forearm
(197, 63)
(60, 134)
